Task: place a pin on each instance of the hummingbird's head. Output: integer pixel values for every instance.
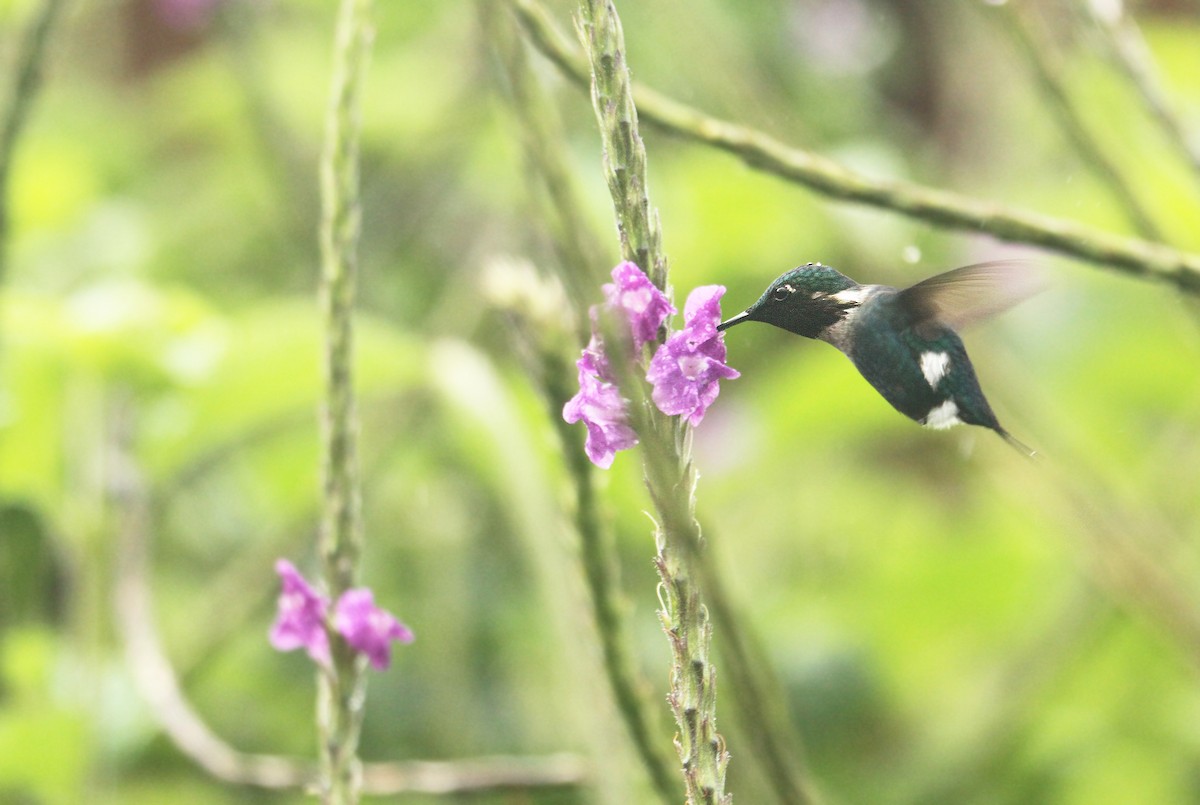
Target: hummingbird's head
(804, 301)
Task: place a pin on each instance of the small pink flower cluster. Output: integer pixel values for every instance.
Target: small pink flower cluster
(685, 371)
(304, 621)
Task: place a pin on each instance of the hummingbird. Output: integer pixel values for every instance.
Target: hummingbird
(903, 342)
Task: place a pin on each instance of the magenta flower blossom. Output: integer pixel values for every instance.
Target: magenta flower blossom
(599, 402)
(644, 305)
(687, 369)
(303, 614)
(367, 628)
(603, 410)
(301, 619)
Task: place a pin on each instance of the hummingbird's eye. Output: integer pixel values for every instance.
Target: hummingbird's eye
(782, 292)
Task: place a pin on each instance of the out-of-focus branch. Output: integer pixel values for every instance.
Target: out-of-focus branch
(581, 255)
(1046, 66)
(1134, 574)
(1127, 49)
(754, 685)
(1008, 699)
(1141, 258)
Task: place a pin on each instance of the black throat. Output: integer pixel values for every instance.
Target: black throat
(806, 316)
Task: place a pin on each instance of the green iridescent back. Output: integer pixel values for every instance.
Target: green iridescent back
(887, 350)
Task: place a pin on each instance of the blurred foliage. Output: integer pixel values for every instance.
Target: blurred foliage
(951, 622)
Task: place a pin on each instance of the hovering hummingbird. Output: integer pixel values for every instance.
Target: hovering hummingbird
(902, 341)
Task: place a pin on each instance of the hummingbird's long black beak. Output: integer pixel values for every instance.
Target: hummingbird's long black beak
(725, 325)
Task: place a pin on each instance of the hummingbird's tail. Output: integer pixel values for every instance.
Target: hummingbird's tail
(1019, 445)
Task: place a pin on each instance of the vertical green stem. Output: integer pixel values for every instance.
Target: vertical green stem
(624, 151)
(26, 79)
(581, 270)
(341, 687)
(670, 475)
(608, 607)
(671, 478)
(758, 694)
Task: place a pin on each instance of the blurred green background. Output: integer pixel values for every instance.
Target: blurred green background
(949, 621)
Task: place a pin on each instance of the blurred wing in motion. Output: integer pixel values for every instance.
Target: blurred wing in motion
(966, 295)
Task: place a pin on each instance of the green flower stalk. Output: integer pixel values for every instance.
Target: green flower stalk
(341, 686)
(535, 314)
(27, 73)
(746, 672)
(670, 475)
(624, 153)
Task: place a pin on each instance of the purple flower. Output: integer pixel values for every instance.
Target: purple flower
(602, 408)
(301, 619)
(686, 370)
(593, 359)
(599, 402)
(644, 305)
(367, 628)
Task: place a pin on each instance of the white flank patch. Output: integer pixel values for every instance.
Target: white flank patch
(942, 417)
(934, 366)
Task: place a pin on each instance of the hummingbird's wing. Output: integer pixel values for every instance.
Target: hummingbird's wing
(972, 293)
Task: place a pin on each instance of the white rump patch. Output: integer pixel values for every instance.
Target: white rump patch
(934, 365)
(942, 417)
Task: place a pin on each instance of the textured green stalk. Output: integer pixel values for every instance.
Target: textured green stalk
(26, 80)
(580, 257)
(1133, 256)
(671, 480)
(670, 475)
(757, 693)
(624, 153)
(1048, 74)
(608, 605)
(341, 688)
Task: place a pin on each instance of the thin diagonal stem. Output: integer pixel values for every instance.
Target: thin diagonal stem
(1126, 47)
(1047, 69)
(1140, 258)
(542, 139)
(757, 692)
(341, 687)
